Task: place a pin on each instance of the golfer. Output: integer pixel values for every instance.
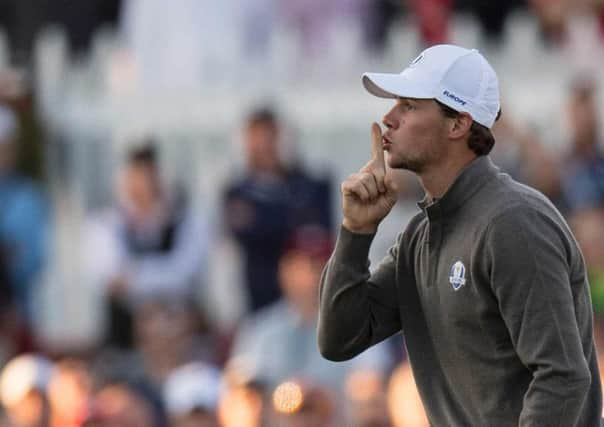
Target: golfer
(486, 282)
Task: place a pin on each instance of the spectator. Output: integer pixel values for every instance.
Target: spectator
(405, 405)
(23, 390)
(9, 323)
(23, 220)
(279, 342)
(267, 203)
(588, 226)
(366, 395)
(244, 400)
(69, 392)
(553, 20)
(521, 154)
(153, 242)
(168, 335)
(377, 19)
(191, 395)
(125, 403)
(491, 15)
(583, 173)
(433, 20)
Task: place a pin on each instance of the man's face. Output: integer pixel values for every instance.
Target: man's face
(415, 137)
(583, 119)
(299, 276)
(139, 186)
(261, 142)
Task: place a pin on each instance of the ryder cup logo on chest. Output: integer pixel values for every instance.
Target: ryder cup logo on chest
(457, 277)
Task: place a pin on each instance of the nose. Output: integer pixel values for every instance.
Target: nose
(390, 120)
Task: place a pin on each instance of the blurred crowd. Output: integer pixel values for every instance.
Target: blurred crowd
(162, 358)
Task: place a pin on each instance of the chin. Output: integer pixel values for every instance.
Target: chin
(405, 164)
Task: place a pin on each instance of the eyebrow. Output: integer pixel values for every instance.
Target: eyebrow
(407, 101)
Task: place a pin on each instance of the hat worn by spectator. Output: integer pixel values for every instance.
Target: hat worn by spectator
(312, 240)
(23, 374)
(460, 78)
(195, 386)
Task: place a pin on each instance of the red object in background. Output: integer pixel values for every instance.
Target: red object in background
(433, 20)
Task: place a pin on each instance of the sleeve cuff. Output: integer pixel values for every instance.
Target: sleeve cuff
(353, 248)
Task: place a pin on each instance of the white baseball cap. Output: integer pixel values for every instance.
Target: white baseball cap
(457, 77)
(21, 375)
(195, 385)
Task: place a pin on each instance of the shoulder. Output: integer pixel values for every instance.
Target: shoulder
(27, 192)
(271, 315)
(505, 201)
(531, 228)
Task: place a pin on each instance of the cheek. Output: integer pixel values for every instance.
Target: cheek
(416, 135)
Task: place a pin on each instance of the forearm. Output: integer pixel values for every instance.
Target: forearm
(351, 317)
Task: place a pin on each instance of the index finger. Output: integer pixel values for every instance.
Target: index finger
(377, 149)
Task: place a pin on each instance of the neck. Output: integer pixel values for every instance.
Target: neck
(437, 179)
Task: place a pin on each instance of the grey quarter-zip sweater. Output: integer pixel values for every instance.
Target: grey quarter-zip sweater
(489, 288)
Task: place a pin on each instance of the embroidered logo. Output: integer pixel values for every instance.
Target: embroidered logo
(454, 97)
(458, 275)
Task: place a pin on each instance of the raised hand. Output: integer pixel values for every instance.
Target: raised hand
(369, 195)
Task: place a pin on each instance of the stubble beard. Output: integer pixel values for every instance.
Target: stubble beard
(416, 166)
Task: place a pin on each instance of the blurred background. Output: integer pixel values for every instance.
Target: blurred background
(169, 193)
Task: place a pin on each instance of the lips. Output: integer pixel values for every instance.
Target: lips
(386, 143)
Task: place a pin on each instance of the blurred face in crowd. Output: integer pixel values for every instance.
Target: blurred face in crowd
(240, 406)
(299, 275)
(366, 395)
(118, 406)
(140, 188)
(261, 145)
(30, 411)
(406, 408)
(163, 332)
(416, 135)
(164, 326)
(583, 118)
(69, 392)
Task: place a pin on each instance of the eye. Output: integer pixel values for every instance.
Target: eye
(409, 107)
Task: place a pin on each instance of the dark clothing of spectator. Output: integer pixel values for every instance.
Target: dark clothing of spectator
(261, 212)
(583, 182)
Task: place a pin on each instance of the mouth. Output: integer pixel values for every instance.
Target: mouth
(386, 143)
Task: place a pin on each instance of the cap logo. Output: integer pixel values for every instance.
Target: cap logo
(454, 97)
(416, 60)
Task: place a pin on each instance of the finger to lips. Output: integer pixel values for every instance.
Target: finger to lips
(378, 162)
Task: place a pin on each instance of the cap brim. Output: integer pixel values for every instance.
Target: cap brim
(386, 85)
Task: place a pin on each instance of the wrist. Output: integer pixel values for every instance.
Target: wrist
(359, 229)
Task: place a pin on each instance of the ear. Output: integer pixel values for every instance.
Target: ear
(460, 126)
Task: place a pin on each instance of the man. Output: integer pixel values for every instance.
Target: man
(582, 178)
(149, 248)
(23, 220)
(486, 282)
(265, 205)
